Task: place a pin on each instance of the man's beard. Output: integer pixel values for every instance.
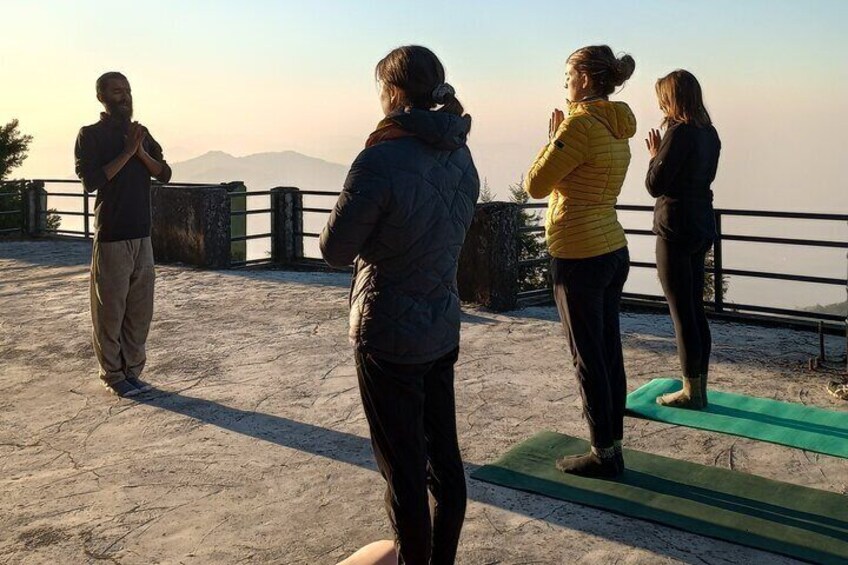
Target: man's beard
(116, 110)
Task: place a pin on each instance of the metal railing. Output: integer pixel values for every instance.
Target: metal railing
(305, 210)
(10, 190)
(244, 213)
(86, 213)
(720, 304)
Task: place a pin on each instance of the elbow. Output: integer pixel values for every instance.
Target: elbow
(331, 255)
(94, 182)
(335, 260)
(534, 190)
(653, 187)
(164, 175)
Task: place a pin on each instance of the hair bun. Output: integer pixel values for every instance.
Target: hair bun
(442, 92)
(624, 67)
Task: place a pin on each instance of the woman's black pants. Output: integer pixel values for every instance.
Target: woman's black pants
(588, 296)
(680, 266)
(412, 417)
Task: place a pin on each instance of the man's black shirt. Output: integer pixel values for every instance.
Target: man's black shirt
(122, 206)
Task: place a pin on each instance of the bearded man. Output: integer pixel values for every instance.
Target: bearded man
(116, 157)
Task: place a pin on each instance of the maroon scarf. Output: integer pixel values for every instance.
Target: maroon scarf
(387, 129)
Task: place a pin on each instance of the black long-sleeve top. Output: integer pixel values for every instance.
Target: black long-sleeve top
(122, 206)
(679, 177)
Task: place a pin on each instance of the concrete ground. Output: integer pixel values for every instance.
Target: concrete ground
(255, 449)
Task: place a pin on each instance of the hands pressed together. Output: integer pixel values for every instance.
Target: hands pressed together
(134, 140)
(557, 117)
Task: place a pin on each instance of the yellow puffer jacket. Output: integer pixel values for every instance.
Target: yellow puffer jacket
(582, 169)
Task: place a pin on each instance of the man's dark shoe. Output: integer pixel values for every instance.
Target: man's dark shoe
(123, 388)
(139, 384)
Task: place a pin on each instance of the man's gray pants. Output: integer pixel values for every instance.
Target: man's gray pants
(122, 280)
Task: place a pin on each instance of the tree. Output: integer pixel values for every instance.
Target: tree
(709, 279)
(13, 151)
(486, 192)
(530, 245)
(13, 148)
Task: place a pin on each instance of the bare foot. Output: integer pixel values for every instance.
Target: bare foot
(378, 553)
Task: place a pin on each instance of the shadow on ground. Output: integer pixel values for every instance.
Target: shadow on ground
(356, 450)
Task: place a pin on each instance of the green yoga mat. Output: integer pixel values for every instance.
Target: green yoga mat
(785, 423)
(800, 522)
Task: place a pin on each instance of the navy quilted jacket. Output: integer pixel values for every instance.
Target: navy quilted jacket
(401, 220)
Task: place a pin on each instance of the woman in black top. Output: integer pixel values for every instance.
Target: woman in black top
(683, 165)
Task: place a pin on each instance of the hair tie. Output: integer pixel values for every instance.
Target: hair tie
(441, 92)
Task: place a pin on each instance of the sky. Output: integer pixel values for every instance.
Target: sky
(254, 76)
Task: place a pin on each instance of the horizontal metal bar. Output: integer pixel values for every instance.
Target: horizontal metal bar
(534, 292)
(247, 237)
(787, 215)
(643, 296)
(307, 234)
(10, 212)
(725, 212)
(318, 193)
(263, 261)
(633, 208)
(10, 230)
(250, 212)
(62, 213)
(67, 194)
(253, 193)
(315, 210)
(60, 181)
(786, 241)
(783, 277)
(643, 265)
(639, 232)
(731, 307)
(72, 232)
(196, 184)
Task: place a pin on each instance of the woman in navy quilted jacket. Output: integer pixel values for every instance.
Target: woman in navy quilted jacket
(401, 221)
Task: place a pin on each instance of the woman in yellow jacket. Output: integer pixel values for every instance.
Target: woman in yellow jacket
(582, 170)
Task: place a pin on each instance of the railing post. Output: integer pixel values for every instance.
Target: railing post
(35, 203)
(718, 270)
(191, 224)
(286, 225)
(238, 224)
(488, 265)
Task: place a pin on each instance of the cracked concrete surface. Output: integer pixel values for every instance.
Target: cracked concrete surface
(254, 448)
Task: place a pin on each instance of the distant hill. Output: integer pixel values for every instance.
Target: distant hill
(838, 308)
(262, 170)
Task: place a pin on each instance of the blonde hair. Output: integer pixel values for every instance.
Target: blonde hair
(681, 100)
(605, 70)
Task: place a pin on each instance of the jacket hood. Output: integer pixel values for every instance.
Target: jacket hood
(439, 129)
(616, 116)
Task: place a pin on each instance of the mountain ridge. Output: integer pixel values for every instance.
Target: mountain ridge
(261, 171)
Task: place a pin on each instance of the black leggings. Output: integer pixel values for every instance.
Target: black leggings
(680, 266)
(588, 297)
(412, 418)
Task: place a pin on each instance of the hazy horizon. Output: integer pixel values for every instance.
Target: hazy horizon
(265, 77)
